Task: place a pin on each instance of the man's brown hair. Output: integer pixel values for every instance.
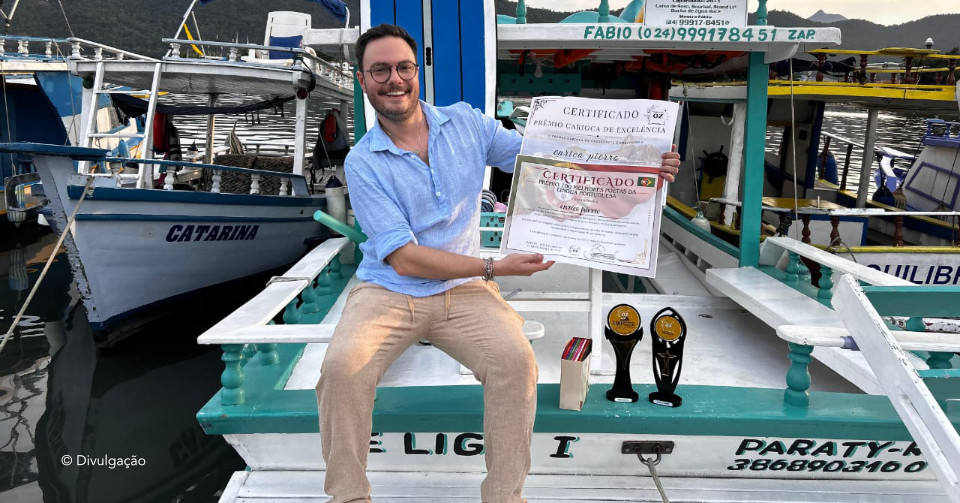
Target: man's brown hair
(381, 31)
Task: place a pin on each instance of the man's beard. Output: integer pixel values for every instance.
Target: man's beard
(397, 116)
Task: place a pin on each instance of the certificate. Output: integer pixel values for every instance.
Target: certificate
(586, 188)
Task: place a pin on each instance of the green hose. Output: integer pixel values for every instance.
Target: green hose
(337, 226)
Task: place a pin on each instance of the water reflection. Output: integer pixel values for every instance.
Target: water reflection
(901, 131)
(62, 396)
(69, 408)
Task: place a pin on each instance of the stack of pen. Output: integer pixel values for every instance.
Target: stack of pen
(578, 349)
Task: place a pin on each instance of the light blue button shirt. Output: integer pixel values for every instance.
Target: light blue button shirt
(398, 199)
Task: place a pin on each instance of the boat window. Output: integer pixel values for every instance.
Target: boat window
(934, 184)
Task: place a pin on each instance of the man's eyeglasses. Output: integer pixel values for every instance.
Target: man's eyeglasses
(381, 73)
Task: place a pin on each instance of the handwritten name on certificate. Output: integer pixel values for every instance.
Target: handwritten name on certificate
(586, 187)
(589, 215)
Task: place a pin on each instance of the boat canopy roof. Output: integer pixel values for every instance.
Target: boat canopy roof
(626, 41)
(607, 42)
(195, 76)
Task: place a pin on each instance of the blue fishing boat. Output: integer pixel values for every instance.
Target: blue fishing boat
(759, 420)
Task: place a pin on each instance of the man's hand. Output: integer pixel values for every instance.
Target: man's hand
(671, 164)
(520, 264)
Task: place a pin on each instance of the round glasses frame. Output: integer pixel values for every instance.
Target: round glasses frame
(405, 71)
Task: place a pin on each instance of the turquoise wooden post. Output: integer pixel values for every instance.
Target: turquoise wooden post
(232, 377)
(604, 12)
(934, 360)
(324, 284)
(268, 352)
(335, 268)
(762, 13)
(755, 137)
(825, 294)
(522, 12)
(798, 377)
(359, 120)
(291, 315)
(793, 277)
(249, 350)
(755, 132)
(309, 295)
(803, 272)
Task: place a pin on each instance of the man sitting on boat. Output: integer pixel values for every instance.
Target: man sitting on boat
(415, 180)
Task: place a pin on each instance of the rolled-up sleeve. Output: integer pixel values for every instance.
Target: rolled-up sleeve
(385, 225)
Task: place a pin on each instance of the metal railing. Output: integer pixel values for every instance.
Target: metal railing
(326, 70)
(884, 350)
(175, 168)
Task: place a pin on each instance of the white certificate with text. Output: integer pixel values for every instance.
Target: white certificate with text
(586, 187)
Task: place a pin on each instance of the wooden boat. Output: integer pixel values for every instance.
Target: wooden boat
(760, 421)
(42, 103)
(132, 226)
(917, 241)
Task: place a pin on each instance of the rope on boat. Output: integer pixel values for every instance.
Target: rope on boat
(651, 464)
(46, 267)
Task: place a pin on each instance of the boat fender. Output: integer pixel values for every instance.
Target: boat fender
(883, 196)
(828, 169)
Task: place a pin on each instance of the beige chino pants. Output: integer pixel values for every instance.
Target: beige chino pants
(473, 324)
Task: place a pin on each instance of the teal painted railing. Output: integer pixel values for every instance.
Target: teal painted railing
(889, 295)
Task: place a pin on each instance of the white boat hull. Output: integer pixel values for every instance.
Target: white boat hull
(404, 487)
(131, 248)
(594, 453)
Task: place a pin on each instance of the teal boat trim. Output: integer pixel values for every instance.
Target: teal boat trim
(708, 411)
(707, 237)
(923, 301)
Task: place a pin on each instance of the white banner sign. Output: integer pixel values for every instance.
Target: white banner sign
(708, 13)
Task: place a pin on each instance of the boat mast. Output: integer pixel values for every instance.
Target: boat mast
(211, 123)
(7, 18)
(758, 75)
(866, 166)
(183, 22)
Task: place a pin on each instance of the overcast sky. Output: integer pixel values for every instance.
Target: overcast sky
(886, 12)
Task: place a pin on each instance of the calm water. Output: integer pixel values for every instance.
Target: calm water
(899, 131)
(61, 395)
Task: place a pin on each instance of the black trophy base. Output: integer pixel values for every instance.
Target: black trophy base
(615, 395)
(665, 399)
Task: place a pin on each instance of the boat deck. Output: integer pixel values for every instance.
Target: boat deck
(725, 345)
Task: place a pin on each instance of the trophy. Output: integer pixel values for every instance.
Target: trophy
(623, 330)
(668, 332)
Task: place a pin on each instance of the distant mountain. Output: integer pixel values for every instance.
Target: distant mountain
(823, 17)
(138, 25)
(864, 35)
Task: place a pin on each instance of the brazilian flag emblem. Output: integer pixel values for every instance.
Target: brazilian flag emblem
(644, 181)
